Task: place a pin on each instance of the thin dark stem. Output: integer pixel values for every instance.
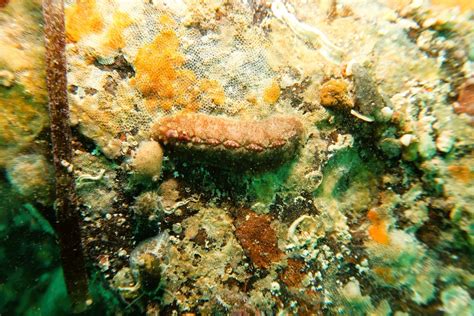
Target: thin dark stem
(67, 212)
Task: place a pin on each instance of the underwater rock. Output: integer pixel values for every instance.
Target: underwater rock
(306, 229)
(22, 49)
(147, 205)
(445, 141)
(391, 147)
(292, 275)
(359, 304)
(169, 195)
(21, 120)
(211, 256)
(156, 204)
(149, 260)
(96, 186)
(32, 177)
(6, 78)
(368, 100)
(113, 149)
(230, 143)
(125, 283)
(402, 261)
(457, 301)
(348, 225)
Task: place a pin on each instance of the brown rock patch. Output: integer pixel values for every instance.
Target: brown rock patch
(258, 239)
(292, 275)
(466, 99)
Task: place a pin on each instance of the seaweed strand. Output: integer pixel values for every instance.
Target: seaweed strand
(67, 212)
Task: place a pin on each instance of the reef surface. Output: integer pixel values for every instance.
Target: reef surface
(250, 157)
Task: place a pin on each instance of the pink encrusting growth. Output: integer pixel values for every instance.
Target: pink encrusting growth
(230, 142)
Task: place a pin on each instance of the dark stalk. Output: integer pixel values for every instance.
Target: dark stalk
(67, 211)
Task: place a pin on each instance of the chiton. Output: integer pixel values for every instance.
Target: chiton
(231, 143)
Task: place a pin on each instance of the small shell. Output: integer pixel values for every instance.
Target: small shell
(407, 139)
(445, 141)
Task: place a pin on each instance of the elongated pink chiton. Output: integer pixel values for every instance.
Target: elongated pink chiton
(231, 143)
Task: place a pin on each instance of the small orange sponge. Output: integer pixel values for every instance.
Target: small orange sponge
(378, 229)
(82, 18)
(272, 93)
